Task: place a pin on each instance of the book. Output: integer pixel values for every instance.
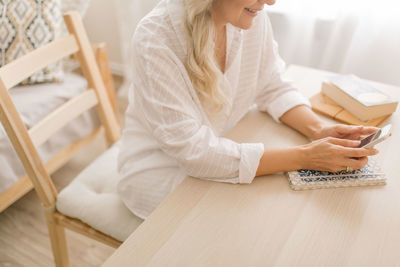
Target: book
(358, 97)
(322, 104)
(370, 174)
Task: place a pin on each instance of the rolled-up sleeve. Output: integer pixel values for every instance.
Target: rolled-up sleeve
(275, 95)
(250, 157)
(169, 108)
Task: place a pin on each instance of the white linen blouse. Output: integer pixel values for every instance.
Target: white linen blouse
(168, 135)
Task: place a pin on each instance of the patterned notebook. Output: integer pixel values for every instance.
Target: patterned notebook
(371, 174)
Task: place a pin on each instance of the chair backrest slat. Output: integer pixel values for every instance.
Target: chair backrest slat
(25, 142)
(70, 110)
(23, 67)
(92, 73)
(25, 149)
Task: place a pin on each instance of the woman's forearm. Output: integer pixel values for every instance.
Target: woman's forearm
(304, 120)
(280, 160)
(334, 147)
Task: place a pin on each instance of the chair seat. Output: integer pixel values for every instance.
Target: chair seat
(96, 187)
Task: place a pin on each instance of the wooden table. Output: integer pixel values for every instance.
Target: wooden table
(266, 223)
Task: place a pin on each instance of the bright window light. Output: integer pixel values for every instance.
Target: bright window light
(331, 9)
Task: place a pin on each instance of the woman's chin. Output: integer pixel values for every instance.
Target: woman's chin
(246, 25)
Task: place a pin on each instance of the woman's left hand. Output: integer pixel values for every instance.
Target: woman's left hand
(344, 131)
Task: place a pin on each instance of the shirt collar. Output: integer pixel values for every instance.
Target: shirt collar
(233, 45)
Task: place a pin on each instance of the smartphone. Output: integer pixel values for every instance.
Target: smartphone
(376, 137)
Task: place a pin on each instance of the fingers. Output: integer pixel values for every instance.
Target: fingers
(349, 148)
(354, 132)
(368, 130)
(335, 154)
(354, 164)
(358, 152)
(357, 164)
(343, 129)
(351, 129)
(344, 142)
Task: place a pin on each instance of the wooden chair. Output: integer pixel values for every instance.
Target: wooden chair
(24, 183)
(25, 141)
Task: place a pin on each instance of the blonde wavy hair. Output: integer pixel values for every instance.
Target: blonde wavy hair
(201, 63)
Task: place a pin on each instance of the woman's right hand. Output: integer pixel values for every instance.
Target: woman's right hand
(334, 154)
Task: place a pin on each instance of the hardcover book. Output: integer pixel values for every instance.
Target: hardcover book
(358, 97)
(324, 105)
(370, 174)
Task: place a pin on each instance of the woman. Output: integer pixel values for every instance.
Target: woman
(198, 67)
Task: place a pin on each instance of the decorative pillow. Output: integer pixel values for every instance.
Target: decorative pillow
(26, 25)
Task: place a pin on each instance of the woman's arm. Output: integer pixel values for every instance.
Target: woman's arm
(304, 120)
(327, 154)
(334, 152)
(279, 160)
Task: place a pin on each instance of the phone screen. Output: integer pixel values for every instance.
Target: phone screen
(370, 138)
(381, 134)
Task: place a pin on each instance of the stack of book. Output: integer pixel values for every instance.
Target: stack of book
(350, 100)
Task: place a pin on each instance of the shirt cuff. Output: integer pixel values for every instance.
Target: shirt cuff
(286, 102)
(250, 155)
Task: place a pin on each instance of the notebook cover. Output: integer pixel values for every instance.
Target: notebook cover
(371, 174)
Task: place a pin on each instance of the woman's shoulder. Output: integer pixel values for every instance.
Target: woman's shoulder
(154, 23)
(160, 34)
(157, 28)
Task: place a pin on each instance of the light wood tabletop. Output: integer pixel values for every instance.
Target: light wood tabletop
(268, 224)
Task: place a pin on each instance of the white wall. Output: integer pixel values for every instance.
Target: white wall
(361, 38)
(113, 22)
(101, 23)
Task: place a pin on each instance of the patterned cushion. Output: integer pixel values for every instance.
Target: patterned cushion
(26, 25)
